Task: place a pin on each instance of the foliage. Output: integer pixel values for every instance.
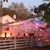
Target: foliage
(19, 10)
(44, 8)
(7, 11)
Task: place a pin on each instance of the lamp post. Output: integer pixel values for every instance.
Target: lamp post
(1, 13)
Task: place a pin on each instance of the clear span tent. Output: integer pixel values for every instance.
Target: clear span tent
(27, 26)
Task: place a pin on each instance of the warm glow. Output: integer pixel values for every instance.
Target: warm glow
(37, 24)
(3, 35)
(8, 35)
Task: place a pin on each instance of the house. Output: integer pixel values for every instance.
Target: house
(7, 19)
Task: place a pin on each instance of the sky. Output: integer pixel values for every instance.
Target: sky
(27, 3)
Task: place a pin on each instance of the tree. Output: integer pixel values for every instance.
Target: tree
(7, 11)
(46, 9)
(22, 11)
(19, 10)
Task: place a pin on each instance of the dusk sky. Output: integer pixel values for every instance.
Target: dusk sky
(27, 3)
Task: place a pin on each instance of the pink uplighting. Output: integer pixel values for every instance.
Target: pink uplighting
(18, 29)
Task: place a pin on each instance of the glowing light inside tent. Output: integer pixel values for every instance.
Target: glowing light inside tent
(8, 35)
(37, 24)
(3, 35)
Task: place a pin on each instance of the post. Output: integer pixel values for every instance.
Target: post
(1, 14)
